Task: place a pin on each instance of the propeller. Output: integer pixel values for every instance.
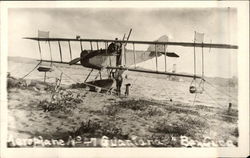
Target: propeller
(128, 37)
(82, 56)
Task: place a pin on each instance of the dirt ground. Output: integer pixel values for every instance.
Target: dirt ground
(34, 109)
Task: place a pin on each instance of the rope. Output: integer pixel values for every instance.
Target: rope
(220, 90)
(212, 98)
(65, 74)
(32, 69)
(170, 99)
(195, 98)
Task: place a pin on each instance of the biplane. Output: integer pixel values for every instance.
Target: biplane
(116, 57)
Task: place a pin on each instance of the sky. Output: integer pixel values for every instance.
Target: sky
(218, 24)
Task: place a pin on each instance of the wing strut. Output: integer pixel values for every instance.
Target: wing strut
(202, 60)
(165, 57)
(60, 49)
(81, 46)
(40, 50)
(50, 53)
(134, 54)
(88, 75)
(70, 52)
(91, 46)
(97, 45)
(156, 59)
(199, 37)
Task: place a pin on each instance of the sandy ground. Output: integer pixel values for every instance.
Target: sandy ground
(147, 113)
(92, 114)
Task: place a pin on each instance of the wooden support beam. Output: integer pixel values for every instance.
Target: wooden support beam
(91, 46)
(81, 46)
(134, 54)
(50, 53)
(40, 50)
(202, 54)
(106, 49)
(88, 75)
(70, 51)
(97, 45)
(156, 60)
(125, 57)
(194, 62)
(60, 49)
(165, 57)
(194, 55)
(107, 44)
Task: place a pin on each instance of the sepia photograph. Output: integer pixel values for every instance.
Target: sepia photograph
(122, 77)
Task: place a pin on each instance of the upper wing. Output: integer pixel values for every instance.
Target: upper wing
(140, 56)
(184, 44)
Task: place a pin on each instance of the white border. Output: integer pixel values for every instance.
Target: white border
(243, 69)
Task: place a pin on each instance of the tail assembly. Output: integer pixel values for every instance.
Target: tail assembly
(159, 48)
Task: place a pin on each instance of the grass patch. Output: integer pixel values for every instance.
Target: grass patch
(152, 110)
(98, 128)
(178, 108)
(134, 104)
(174, 124)
(64, 101)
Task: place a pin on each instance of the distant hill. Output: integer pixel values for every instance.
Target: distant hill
(21, 59)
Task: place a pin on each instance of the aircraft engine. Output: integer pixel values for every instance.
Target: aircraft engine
(84, 53)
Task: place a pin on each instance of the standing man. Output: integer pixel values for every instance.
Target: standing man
(118, 51)
(119, 79)
(118, 74)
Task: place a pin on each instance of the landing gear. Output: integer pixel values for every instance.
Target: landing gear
(88, 75)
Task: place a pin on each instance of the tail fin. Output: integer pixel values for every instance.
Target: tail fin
(159, 48)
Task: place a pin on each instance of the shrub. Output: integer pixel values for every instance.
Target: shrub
(64, 101)
(180, 125)
(235, 132)
(134, 104)
(98, 128)
(152, 110)
(16, 83)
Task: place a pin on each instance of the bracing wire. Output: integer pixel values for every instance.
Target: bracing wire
(32, 69)
(194, 98)
(220, 90)
(87, 84)
(212, 98)
(65, 74)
